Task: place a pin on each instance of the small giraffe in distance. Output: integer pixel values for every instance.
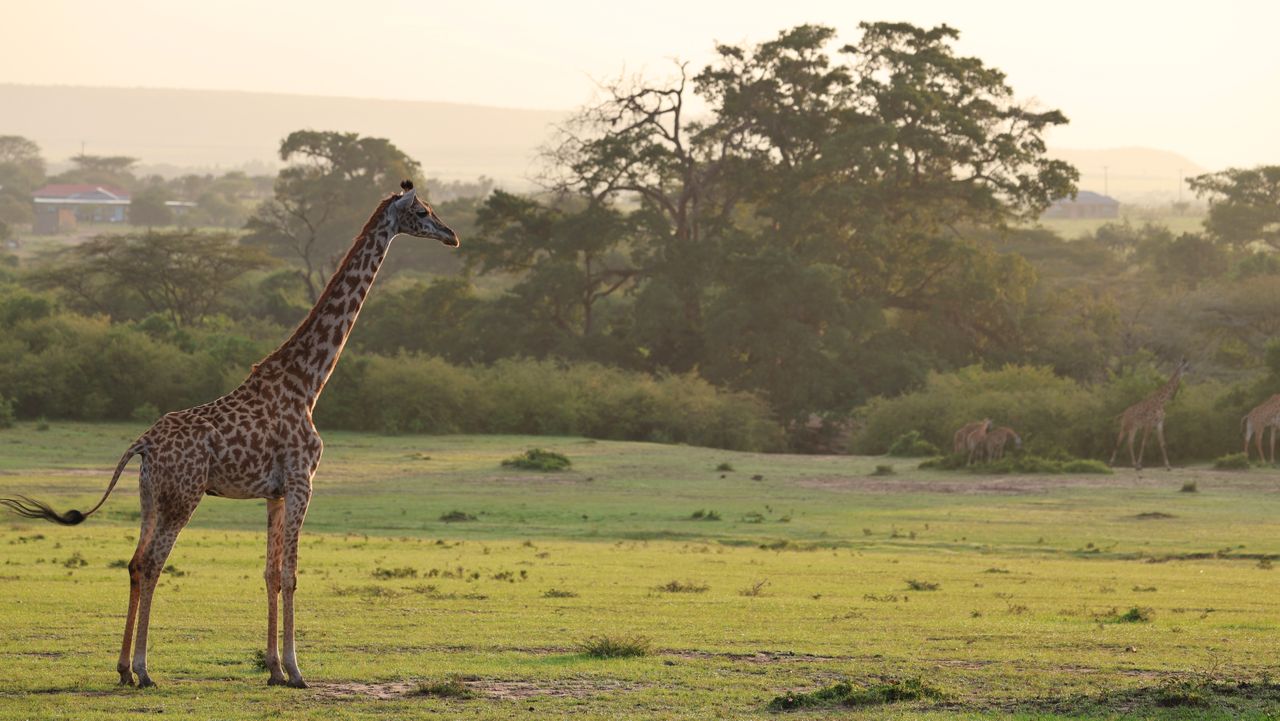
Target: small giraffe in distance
(258, 441)
(970, 437)
(1258, 420)
(995, 441)
(1147, 414)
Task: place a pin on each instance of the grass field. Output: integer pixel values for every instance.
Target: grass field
(1102, 596)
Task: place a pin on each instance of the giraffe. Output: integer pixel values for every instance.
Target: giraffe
(960, 441)
(969, 438)
(1265, 415)
(258, 441)
(1146, 414)
(995, 441)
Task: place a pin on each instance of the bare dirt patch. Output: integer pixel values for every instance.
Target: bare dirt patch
(502, 690)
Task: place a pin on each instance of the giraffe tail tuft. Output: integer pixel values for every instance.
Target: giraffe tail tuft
(31, 508)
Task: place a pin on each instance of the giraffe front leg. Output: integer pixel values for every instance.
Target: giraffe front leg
(1142, 448)
(295, 512)
(275, 559)
(1116, 450)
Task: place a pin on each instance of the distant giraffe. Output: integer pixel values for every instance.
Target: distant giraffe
(1265, 415)
(993, 445)
(257, 441)
(1146, 414)
(969, 438)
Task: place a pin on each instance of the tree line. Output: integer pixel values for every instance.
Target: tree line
(836, 225)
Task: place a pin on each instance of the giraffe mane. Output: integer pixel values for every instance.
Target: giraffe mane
(368, 228)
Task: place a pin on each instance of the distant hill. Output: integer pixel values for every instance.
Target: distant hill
(1132, 175)
(221, 129)
(176, 130)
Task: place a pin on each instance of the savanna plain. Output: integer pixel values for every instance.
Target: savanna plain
(436, 583)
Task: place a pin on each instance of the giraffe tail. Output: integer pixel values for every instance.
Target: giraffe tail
(31, 508)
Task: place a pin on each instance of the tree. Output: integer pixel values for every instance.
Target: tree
(1244, 205)
(639, 144)
(114, 170)
(854, 180)
(147, 207)
(181, 274)
(324, 196)
(21, 171)
(568, 259)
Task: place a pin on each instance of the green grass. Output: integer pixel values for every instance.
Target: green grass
(390, 594)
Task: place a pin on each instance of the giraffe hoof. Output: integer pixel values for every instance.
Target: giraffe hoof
(277, 681)
(296, 683)
(146, 682)
(126, 680)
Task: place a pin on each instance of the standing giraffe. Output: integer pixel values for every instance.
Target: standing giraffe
(257, 441)
(1146, 414)
(995, 441)
(1266, 415)
(969, 438)
(960, 441)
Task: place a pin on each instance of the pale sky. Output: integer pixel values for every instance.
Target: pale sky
(1203, 81)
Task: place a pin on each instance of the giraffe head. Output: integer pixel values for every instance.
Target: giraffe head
(412, 216)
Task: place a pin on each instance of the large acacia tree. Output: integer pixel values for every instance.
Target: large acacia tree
(815, 222)
(323, 197)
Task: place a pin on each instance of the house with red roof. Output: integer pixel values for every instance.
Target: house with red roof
(60, 207)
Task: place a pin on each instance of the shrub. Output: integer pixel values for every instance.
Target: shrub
(683, 587)
(916, 585)
(845, 694)
(1189, 487)
(882, 470)
(558, 593)
(538, 459)
(456, 516)
(614, 646)
(912, 445)
(1136, 614)
(6, 413)
(1232, 462)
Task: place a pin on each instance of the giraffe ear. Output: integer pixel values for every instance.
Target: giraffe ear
(405, 198)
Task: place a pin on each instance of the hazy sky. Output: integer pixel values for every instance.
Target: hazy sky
(1203, 81)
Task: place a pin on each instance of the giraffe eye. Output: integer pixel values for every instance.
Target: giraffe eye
(421, 213)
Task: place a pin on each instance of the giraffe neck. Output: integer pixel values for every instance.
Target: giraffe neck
(305, 361)
(1168, 389)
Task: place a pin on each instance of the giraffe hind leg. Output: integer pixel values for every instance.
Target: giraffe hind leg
(135, 581)
(1163, 453)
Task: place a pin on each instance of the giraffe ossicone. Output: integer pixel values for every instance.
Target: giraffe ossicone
(258, 441)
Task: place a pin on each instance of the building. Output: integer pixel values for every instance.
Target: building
(58, 208)
(1086, 204)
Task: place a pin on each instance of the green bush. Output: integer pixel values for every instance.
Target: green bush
(1059, 418)
(412, 393)
(912, 445)
(1232, 462)
(538, 459)
(845, 694)
(6, 413)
